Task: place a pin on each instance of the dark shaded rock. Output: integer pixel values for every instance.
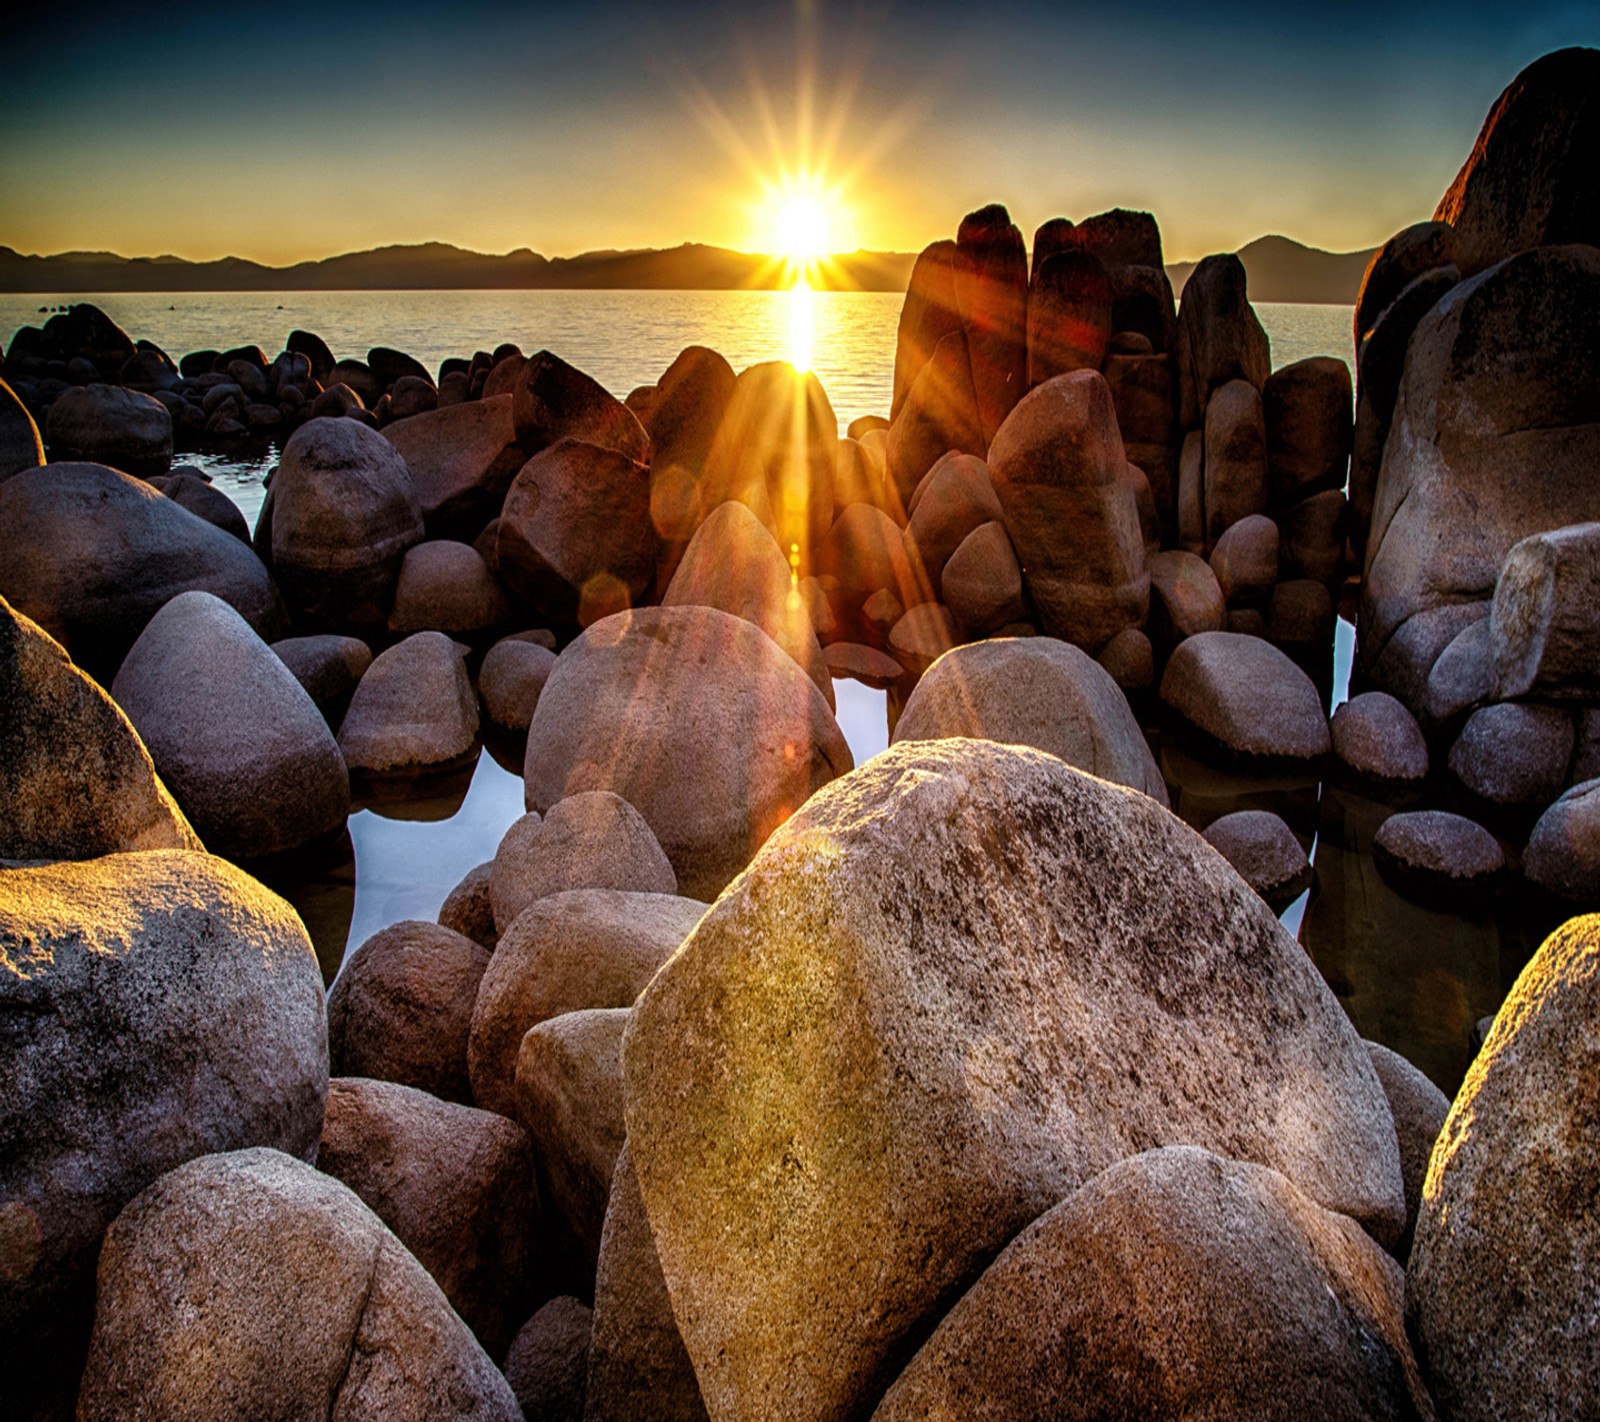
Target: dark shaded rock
(92, 555)
(86, 331)
(548, 1361)
(1300, 613)
(982, 582)
(214, 980)
(1245, 559)
(466, 909)
(553, 401)
(1419, 1109)
(1313, 537)
(641, 695)
(1177, 1283)
(1141, 390)
(392, 366)
(1563, 854)
(20, 445)
(235, 737)
(328, 666)
(1246, 698)
(1423, 247)
(1130, 660)
(1462, 676)
(105, 424)
(955, 498)
(311, 1307)
(401, 1008)
(462, 459)
(1219, 338)
(1069, 316)
(1544, 624)
(691, 399)
(923, 634)
(1235, 480)
(864, 551)
(76, 782)
(991, 290)
(358, 375)
(1500, 1288)
(208, 502)
(1185, 598)
(1437, 856)
(1379, 741)
(314, 349)
(1514, 754)
(446, 587)
(1265, 852)
(1308, 411)
(861, 663)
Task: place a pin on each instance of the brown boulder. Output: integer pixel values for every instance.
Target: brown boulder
(1235, 482)
(552, 401)
(1307, 410)
(938, 416)
(1069, 316)
(982, 582)
(991, 288)
(462, 460)
(1219, 337)
(928, 315)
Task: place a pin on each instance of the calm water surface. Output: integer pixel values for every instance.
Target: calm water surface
(1411, 977)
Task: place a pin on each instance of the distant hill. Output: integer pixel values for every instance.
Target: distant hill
(1281, 269)
(439, 266)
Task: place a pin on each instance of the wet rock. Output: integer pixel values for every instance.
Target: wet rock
(467, 910)
(918, 1047)
(446, 587)
(955, 498)
(1437, 856)
(414, 710)
(1176, 1283)
(568, 1094)
(938, 416)
(1378, 740)
(328, 666)
(928, 315)
(1245, 560)
(734, 564)
(401, 1008)
(1544, 624)
(1069, 316)
(1500, 1288)
(555, 401)
(641, 695)
(1245, 698)
(511, 679)
(455, 1184)
(1514, 754)
(547, 1365)
(462, 460)
(1265, 852)
(861, 663)
(344, 512)
(991, 290)
(214, 979)
(1057, 468)
(576, 541)
(1038, 692)
(1307, 410)
(585, 948)
(592, 840)
(1419, 1109)
(76, 782)
(92, 555)
(1530, 179)
(250, 1285)
(105, 424)
(1563, 854)
(1490, 441)
(1219, 338)
(235, 737)
(20, 445)
(1235, 479)
(637, 1362)
(982, 582)
(1185, 598)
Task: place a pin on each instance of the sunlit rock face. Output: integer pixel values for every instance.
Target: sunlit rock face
(312, 1307)
(938, 416)
(958, 985)
(75, 780)
(1531, 179)
(92, 554)
(927, 317)
(1495, 438)
(1058, 468)
(699, 720)
(1501, 1284)
(157, 1006)
(775, 451)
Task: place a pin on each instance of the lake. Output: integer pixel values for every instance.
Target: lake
(1414, 978)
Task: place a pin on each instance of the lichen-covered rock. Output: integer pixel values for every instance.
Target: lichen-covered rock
(958, 985)
(1500, 1291)
(249, 1285)
(159, 1006)
(76, 781)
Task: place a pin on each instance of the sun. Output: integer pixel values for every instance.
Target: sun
(803, 230)
(804, 222)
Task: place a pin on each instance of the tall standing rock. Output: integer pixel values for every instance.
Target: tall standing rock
(1306, 408)
(958, 985)
(238, 740)
(1532, 179)
(1219, 336)
(1501, 1287)
(991, 288)
(1234, 484)
(1069, 316)
(939, 416)
(642, 697)
(1057, 467)
(928, 315)
(157, 1006)
(344, 511)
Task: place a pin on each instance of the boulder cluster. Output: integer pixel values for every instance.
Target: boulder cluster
(743, 1083)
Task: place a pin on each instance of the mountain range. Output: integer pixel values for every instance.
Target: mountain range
(1279, 269)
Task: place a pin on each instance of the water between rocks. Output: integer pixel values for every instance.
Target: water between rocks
(1411, 977)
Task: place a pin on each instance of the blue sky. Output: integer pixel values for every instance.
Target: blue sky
(287, 134)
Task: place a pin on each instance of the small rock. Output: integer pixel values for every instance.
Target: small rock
(1245, 559)
(445, 587)
(467, 910)
(1265, 852)
(1438, 856)
(860, 663)
(414, 710)
(1246, 698)
(510, 680)
(923, 635)
(1563, 853)
(548, 1363)
(1379, 741)
(1514, 754)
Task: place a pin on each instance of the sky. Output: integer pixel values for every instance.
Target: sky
(282, 133)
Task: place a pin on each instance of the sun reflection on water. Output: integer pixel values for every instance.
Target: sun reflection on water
(802, 324)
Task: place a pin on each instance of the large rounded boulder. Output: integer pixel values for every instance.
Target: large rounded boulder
(105, 424)
(1034, 691)
(92, 555)
(959, 984)
(344, 511)
(1501, 1290)
(236, 737)
(248, 1285)
(158, 1006)
(644, 697)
